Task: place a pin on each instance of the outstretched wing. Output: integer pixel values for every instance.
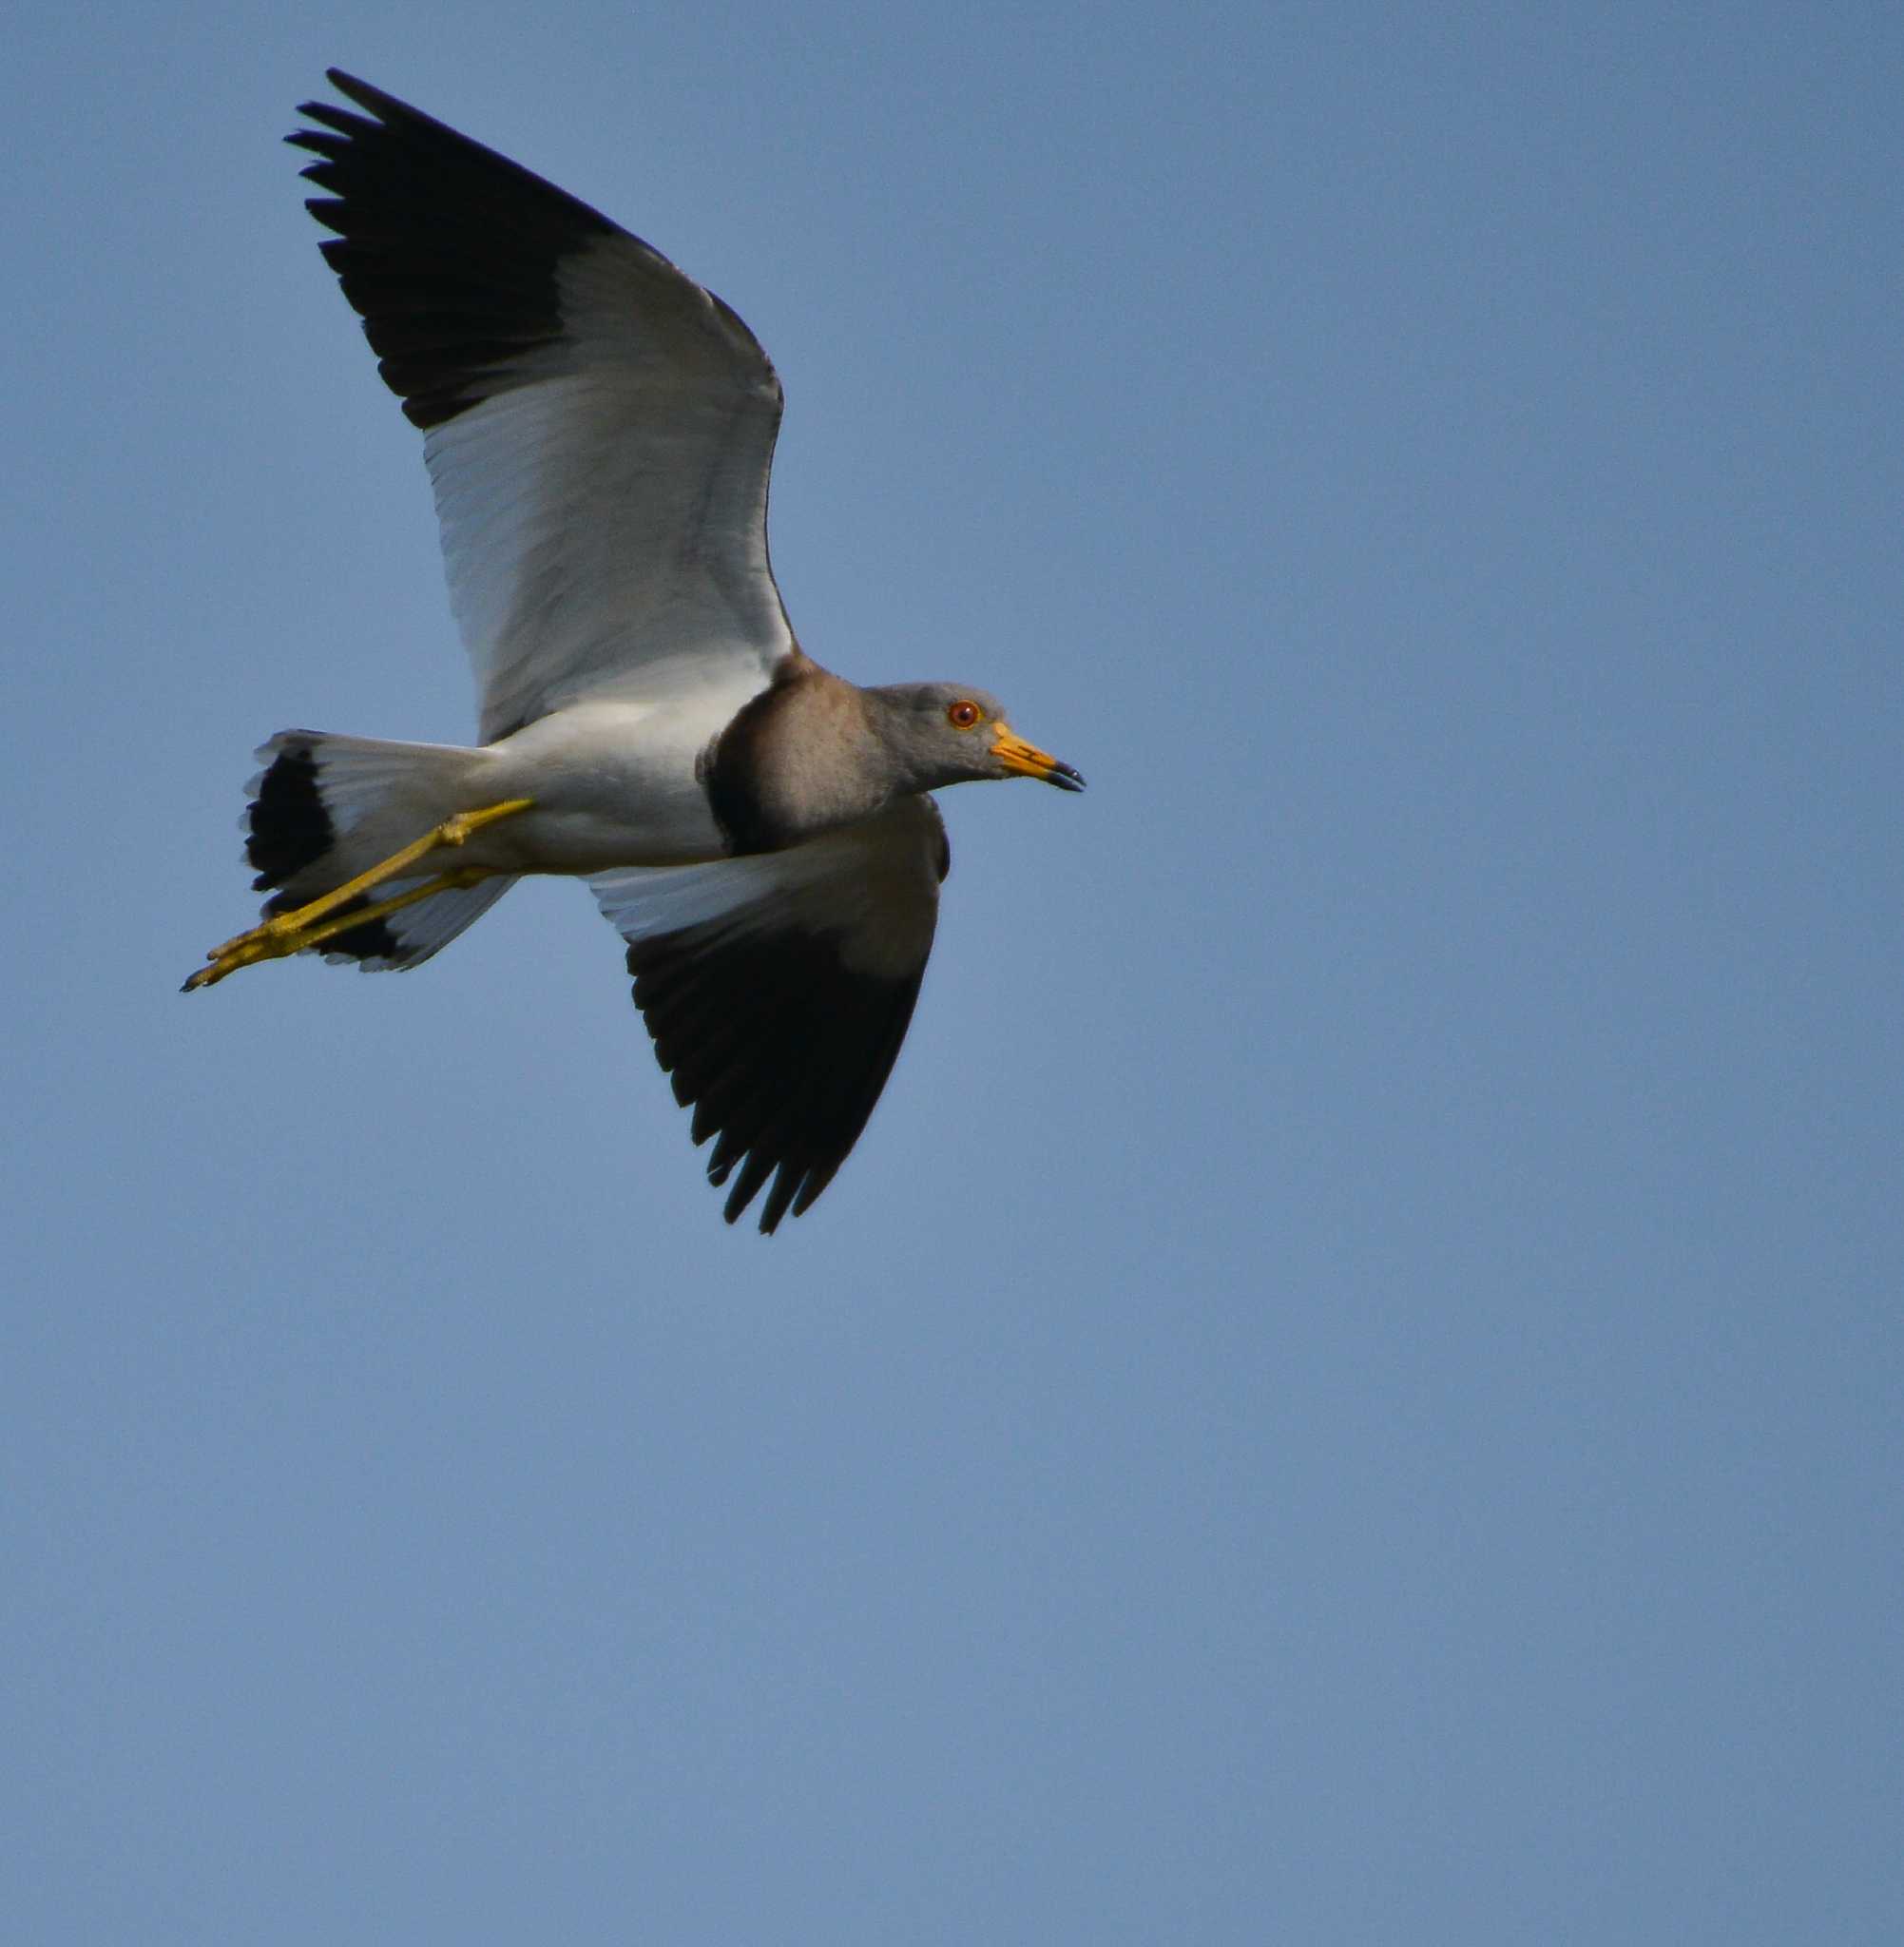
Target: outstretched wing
(599, 429)
(778, 988)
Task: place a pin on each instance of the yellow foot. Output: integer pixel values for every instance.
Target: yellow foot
(324, 918)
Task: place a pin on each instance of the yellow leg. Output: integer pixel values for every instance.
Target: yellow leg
(308, 925)
(252, 951)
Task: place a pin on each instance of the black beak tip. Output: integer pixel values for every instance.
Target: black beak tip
(1065, 779)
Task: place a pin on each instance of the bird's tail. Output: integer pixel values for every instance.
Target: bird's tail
(324, 808)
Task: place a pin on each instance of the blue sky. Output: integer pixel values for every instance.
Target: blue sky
(1351, 1392)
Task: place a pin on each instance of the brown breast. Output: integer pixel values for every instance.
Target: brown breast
(800, 759)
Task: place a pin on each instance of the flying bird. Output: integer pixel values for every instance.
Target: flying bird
(598, 431)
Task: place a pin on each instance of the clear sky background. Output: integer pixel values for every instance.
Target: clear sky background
(1352, 1390)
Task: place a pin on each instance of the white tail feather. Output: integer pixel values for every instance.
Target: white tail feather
(325, 808)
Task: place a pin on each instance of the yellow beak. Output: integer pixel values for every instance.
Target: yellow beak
(1030, 761)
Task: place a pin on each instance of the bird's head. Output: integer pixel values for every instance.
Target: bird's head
(943, 733)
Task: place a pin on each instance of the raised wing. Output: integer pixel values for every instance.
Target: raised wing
(778, 988)
(599, 429)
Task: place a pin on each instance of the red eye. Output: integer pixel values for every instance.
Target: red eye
(963, 715)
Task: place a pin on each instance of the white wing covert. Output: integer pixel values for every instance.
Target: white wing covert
(599, 429)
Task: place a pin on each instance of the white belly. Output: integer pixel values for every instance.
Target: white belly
(613, 783)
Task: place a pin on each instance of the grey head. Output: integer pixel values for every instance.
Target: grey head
(812, 752)
(935, 734)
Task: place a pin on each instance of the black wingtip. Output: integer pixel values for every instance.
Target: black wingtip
(386, 109)
(360, 91)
